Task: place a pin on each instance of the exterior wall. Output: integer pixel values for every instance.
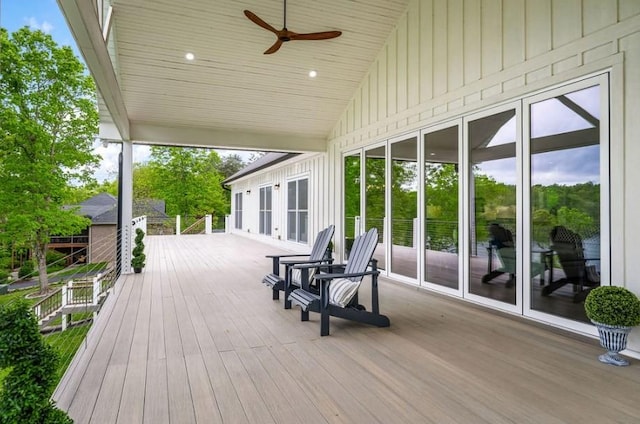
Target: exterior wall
(102, 243)
(311, 166)
(449, 58)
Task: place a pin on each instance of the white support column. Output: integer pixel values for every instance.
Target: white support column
(177, 225)
(127, 205)
(207, 224)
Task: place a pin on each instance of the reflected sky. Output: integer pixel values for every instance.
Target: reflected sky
(566, 166)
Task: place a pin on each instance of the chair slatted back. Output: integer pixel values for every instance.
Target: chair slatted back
(321, 243)
(568, 247)
(361, 253)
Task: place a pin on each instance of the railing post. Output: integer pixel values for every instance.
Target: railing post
(227, 227)
(96, 294)
(207, 224)
(415, 232)
(96, 289)
(64, 303)
(177, 225)
(356, 226)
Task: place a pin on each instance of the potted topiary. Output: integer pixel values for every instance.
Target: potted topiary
(137, 262)
(614, 311)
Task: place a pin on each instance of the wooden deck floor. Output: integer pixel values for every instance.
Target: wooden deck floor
(197, 338)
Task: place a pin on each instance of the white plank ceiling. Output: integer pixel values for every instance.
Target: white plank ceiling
(233, 95)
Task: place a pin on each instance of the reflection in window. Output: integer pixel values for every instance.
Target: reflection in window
(492, 157)
(565, 200)
(374, 197)
(404, 207)
(238, 211)
(351, 200)
(265, 211)
(441, 207)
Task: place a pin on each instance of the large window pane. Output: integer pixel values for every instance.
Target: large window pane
(292, 227)
(351, 200)
(291, 195)
(492, 157)
(404, 207)
(441, 207)
(265, 211)
(565, 201)
(303, 197)
(375, 163)
(297, 201)
(238, 211)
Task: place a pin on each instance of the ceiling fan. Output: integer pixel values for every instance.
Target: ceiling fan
(285, 35)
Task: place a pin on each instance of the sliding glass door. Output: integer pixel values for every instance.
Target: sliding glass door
(404, 238)
(493, 177)
(566, 198)
(441, 206)
(375, 162)
(351, 201)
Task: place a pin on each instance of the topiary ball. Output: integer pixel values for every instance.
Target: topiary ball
(613, 305)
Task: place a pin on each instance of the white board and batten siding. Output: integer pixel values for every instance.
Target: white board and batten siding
(449, 58)
(312, 166)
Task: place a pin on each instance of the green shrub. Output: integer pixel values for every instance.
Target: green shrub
(53, 256)
(4, 276)
(27, 387)
(5, 262)
(26, 269)
(138, 251)
(613, 305)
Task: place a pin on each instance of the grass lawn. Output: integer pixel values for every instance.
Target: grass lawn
(6, 299)
(67, 343)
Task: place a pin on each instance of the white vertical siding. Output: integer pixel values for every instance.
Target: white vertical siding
(311, 166)
(448, 58)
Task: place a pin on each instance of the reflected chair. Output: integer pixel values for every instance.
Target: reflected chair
(338, 295)
(503, 245)
(568, 247)
(320, 253)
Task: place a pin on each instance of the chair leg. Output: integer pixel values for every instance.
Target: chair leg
(324, 322)
(276, 294)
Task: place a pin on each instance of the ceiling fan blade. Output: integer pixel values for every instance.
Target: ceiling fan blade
(316, 35)
(276, 46)
(255, 19)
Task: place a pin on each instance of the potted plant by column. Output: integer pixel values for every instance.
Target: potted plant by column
(614, 311)
(137, 262)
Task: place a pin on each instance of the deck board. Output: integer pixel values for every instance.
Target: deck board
(196, 338)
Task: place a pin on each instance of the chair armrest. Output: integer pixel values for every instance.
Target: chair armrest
(295, 263)
(284, 256)
(356, 274)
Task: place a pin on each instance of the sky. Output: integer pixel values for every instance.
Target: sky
(46, 16)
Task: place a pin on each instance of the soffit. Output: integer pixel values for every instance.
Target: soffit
(232, 95)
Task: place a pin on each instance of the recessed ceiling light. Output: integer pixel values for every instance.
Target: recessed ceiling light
(432, 154)
(189, 56)
(313, 74)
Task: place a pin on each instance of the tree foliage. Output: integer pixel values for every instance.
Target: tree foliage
(49, 119)
(188, 179)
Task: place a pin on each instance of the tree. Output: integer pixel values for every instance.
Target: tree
(230, 164)
(49, 120)
(188, 180)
